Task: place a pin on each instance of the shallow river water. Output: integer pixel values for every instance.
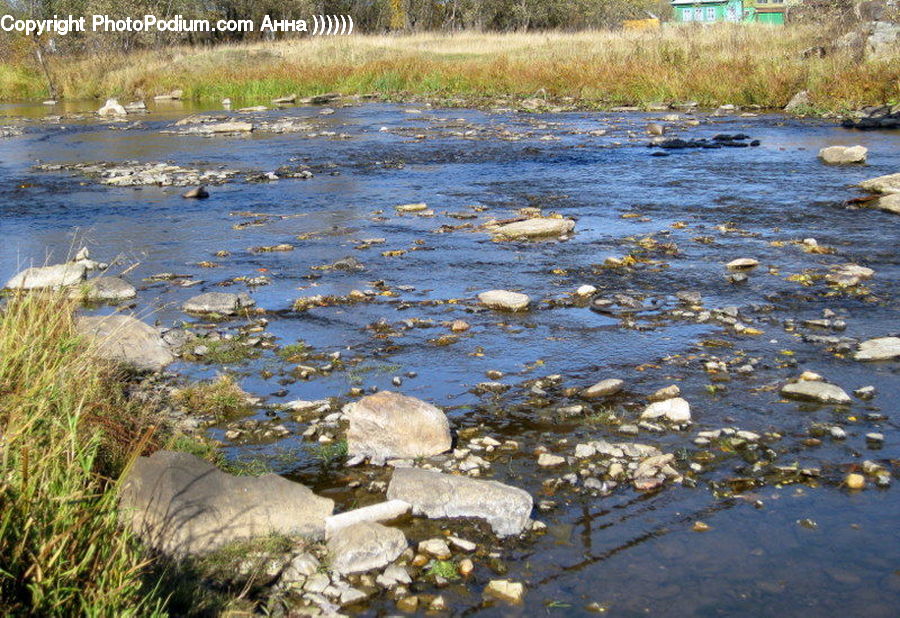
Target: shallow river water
(777, 543)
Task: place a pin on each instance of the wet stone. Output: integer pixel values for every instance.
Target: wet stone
(815, 391)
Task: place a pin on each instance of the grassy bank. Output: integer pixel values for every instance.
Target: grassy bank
(67, 431)
(739, 64)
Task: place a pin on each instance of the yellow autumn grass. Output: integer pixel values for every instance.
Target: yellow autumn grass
(743, 64)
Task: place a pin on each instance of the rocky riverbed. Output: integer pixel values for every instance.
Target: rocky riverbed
(524, 362)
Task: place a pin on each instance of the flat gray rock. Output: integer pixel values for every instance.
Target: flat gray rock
(127, 340)
(808, 390)
(389, 425)
(436, 495)
(365, 546)
(223, 303)
(882, 348)
(182, 505)
(105, 289)
(42, 277)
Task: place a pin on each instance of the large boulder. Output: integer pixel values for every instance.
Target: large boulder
(535, 228)
(182, 505)
(882, 348)
(843, 155)
(42, 277)
(388, 425)
(434, 494)
(223, 303)
(364, 546)
(127, 340)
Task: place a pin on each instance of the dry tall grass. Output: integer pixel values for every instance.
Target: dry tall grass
(741, 64)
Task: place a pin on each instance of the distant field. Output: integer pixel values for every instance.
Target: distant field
(739, 64)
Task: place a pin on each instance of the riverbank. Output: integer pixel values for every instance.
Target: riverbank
(740, 65)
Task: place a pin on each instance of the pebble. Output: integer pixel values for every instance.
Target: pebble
(855, 481)
(547, 460)
(435, 547)
(505, 590)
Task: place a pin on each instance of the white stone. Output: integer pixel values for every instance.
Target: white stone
(504, 300)
(843, 155)
(882, 348)
(381, 512)
(676, 410)
(535, 228)
(42, 277)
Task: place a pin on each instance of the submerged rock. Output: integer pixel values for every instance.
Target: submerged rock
(197, 193)
(504, 300)
(388, 425)
(435, 495)
(849, 274)
(417, 207)
(105, 289)
(882, 348)
(182, 505)
(505, 590)
(535, 228)
(364, 546)
(822, 392)
(223, 303)
(127, 340)
(42, 277)
(843, 155)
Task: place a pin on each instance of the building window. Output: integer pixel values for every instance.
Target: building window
(698, 14)
(687, 14)
(710, 13)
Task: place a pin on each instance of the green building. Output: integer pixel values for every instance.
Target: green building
(710, 11)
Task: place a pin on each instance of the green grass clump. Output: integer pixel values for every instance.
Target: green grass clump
(328, 452)
(219, 351)
(220, 399)
(442, 568)
(68, 431)
(293, 352)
